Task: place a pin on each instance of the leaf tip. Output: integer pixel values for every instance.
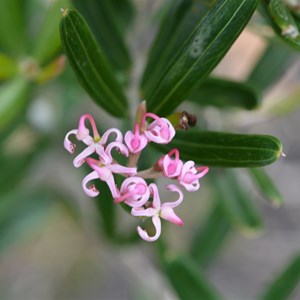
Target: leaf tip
(64, 11)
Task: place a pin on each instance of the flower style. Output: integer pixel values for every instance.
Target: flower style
(160, 131)
(157, 211)
(171, 167)
(94, 144)
(135, 141)
(189, 176)
(134, 192)
(104, 173)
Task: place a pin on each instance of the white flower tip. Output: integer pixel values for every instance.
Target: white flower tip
(144, 235)
(283, 154)
(91, 191)
(70, 147)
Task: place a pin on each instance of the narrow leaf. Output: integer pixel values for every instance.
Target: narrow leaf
(266, 186)
(226, 149)
(188, 281)
(237, 204)
(210, 236)
(8, 67)
(282, 21)
(271, 66)
(90, 65)
(285, 283)
(13, 98)
(200, 53)
(101, 17)
(224, 93)
(47, 43)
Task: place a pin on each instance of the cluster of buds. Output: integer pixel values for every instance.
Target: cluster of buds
(134, 191)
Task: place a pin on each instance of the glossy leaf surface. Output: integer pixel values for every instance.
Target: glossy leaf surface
(226, 149)
(90, 65)
(200, 53)
(237, 203)
(285, 283)
(188, 281)
(103, 21)
(224, 93)
(266, 186)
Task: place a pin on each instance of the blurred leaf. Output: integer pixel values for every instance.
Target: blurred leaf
(210, 236)
(13, 97)
(224, 93)
(271, 66)
(13, 27)
(52, 70)
(8, 67)
(47, 43)
(266, 186)
(199, 54)
(237, 203)
(226, 149)
(282, 21)
(124, 11)
(103, 21)
(90, 65)
(285, 283)
(21, 213)
(188, 281)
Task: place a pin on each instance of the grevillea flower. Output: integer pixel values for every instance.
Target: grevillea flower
(134, 192)
(135, 141)
(94, 144)
(104, 173)
(171, 167)
(189, 176)
(160, 131)
(157, 211)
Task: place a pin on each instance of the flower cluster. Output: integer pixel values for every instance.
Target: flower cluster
(143, 199)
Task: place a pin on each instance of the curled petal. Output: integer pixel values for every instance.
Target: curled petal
(120, 147)
(91, 189)
(143, 233)
(171, 167)
(103, 156)
(69, 146)
(142, 212)
(161, 131)
(83, 131)
(191, 187)
(105, 136)
(156, 199)
(174, 188)
(135, 142)
(80, 158)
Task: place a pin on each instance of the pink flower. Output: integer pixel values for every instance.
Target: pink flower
(134, 192)
(135, 141)
(189, 176)
(160, 131)
(157, 211)
(94, 144)
(171, 167)
(104, 173)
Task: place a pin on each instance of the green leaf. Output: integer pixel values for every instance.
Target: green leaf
(47, 43)
(266, 186)
(199, 54)
(101, 17)
(8, 67)
(237, 204)
(271, 66)
(226, 149)
(282, 21)
(210, 236)
(224, 93)
(13, 97)
(90, 65)
(285, 283)
(188, 282)
(12, 27)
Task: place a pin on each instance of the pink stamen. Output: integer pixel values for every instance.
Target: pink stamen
(164, 128)
(83, 128)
